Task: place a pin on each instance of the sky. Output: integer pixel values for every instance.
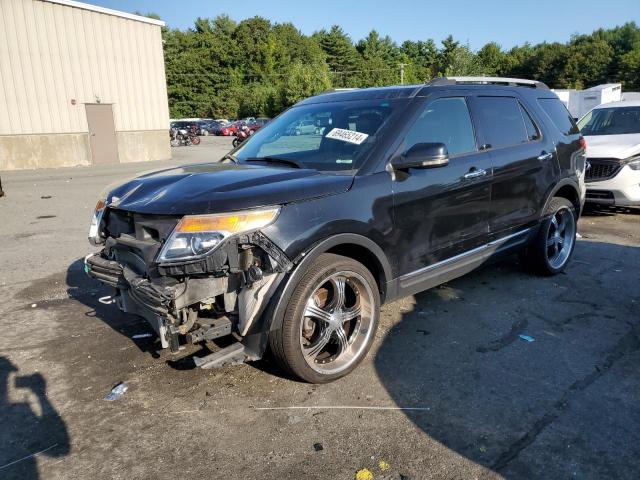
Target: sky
(509, 23)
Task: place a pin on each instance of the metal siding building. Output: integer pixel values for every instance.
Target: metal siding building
(79, 85)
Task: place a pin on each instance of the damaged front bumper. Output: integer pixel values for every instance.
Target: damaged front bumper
(221, 296)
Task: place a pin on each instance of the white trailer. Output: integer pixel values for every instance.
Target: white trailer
(579, 102)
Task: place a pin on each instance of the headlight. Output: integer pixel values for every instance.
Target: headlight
(95, 238)
(197, 235)
(634, 164)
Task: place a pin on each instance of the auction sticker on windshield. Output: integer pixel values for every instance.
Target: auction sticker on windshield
(347, 135)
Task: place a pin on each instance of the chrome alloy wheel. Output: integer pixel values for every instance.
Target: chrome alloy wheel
(560, 237)
(336, 323)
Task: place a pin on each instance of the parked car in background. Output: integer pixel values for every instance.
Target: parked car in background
(612, 133)
(202, 127)
(187, 125)
(258, 123)
(305, 127)
(216, 127)
(227, 129)
(212, 127)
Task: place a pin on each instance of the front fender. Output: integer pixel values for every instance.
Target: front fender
(275, 306)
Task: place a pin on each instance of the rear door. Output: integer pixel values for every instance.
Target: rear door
(523, 161)
(442, 212)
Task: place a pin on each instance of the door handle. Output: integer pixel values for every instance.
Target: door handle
(545, 156)
(474, 173)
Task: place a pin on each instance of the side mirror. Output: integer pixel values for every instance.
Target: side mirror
(422, 155)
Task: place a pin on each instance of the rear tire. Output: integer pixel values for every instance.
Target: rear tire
(330, 320)
(551, 250)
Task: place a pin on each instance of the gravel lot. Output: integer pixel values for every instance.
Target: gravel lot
(449, 390)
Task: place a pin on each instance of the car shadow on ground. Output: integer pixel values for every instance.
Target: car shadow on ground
(591, 210)
(27, 433)
(505, 363)
(95, 295)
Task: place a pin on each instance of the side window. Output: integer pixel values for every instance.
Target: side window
(533, 133)
(445, 120)
(501, 121)
(559, 115)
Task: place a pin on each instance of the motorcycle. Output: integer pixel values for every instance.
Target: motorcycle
(183, 137)
(244, 133)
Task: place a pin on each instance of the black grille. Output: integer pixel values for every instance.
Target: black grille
(599, 195)
(602, 169)
(140, 226)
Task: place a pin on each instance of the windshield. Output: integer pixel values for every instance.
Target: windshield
(611, 121)
(328, 136)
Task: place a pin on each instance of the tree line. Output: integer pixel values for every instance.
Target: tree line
(222, 68)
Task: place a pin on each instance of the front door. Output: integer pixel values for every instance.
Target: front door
(102, 134)
(442, 212)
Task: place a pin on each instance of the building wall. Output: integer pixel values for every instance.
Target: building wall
(53, 59)
(44, 151)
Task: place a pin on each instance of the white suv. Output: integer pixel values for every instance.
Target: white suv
(612, 133)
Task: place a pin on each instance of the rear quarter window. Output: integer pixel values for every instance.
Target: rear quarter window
(559, 115)
(501, 121)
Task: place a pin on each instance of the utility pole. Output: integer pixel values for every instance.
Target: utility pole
(402, 74)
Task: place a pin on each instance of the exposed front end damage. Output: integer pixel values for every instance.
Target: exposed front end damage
(219, 295)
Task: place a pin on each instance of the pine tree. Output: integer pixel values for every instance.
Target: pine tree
(341, 56)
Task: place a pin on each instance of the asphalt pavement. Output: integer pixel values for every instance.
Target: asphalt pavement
(499, 374)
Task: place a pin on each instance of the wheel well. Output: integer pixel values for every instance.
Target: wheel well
(570, 193)
(365, 257)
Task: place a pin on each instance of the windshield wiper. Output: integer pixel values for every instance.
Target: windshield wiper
(285, 161)
(228, 156)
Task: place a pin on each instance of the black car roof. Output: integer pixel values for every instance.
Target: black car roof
(341, 95)
(409, 91)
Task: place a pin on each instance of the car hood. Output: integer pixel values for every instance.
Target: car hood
(613, 146)
(222, 187)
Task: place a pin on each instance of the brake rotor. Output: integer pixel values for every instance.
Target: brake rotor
(309, 326)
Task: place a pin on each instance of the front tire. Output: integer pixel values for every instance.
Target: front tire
(330, 321)
(553, 246)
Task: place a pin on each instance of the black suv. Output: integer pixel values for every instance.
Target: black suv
(292, 242)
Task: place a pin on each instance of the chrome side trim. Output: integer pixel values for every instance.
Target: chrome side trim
(443, 263)
(502, 240)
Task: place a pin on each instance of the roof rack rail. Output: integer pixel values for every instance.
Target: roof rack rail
(334, 90)
(513, 82)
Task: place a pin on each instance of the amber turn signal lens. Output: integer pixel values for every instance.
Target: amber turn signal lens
(228, 222)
